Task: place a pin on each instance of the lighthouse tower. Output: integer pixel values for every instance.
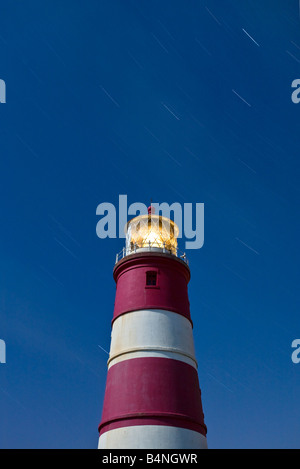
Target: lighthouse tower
(152, 397)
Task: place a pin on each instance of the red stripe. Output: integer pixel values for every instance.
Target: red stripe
(152, 391)
(170, 294)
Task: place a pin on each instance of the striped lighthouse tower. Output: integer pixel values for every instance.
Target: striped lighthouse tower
(152, 397)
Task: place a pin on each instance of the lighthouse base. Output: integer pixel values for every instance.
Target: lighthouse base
(152, 437)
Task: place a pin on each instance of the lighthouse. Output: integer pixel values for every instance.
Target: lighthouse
(152, 395)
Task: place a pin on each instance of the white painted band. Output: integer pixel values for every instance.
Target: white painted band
(152, 437)
(152, 333)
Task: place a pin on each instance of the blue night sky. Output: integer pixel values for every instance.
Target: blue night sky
(175, 101)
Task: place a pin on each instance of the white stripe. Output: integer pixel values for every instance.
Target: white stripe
(152, 437)
(151, 333)
(153, 354)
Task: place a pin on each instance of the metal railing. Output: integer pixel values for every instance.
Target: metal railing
(147, 248)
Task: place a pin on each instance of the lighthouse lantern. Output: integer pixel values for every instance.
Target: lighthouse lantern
(151, 231)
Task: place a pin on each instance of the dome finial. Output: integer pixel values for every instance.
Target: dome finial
(150, 208)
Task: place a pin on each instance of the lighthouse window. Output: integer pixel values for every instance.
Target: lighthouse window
(151, 278)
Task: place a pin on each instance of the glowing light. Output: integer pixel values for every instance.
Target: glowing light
(151, 231)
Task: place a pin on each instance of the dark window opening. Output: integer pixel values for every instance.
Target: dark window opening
(151, 278)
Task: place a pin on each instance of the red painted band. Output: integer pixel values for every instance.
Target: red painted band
(159, 390)
(170, 293)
